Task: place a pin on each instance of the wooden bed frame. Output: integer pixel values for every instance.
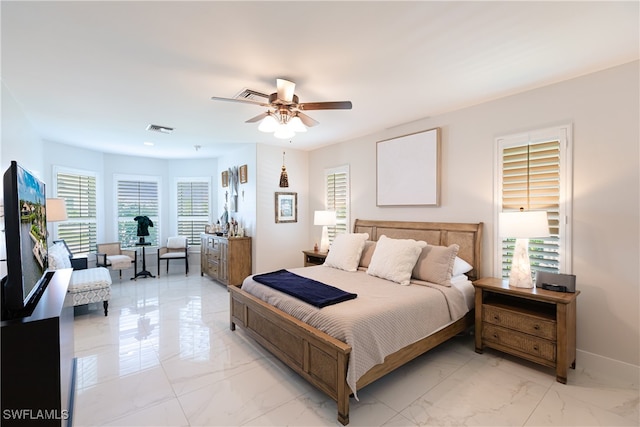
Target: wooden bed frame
(321, 359)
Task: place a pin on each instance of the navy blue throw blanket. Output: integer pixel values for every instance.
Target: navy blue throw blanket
(308, 290)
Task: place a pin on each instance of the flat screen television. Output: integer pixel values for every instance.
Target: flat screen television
(25, 225)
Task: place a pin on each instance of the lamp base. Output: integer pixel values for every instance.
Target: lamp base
(324, 240)
(520, 276)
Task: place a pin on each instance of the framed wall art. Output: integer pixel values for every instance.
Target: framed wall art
(225, 178)
(243, 174)
(286, 205)
(408, 170)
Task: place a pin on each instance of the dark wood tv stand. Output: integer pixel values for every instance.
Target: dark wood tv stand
(38, 367)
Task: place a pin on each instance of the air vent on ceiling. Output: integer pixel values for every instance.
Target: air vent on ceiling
(158, 128)
(251, 95)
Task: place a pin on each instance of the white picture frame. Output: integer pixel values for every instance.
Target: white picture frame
(408, 170)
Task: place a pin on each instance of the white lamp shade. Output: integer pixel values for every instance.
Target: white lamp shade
(268, 124)
(324, 218)
(284, 132)
(527, 224)
(56, 210)
(296, 124)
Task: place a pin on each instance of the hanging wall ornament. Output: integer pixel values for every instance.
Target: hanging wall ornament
(284, 178)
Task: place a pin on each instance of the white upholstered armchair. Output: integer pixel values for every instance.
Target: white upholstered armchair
(110, 255)
(176, 248)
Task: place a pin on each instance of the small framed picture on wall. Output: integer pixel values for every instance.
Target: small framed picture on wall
(286, 205)
(243, 174)
(225, 178)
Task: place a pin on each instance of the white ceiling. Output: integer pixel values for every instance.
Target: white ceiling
(95, 74)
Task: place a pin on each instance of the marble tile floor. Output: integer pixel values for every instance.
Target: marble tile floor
(165, 356)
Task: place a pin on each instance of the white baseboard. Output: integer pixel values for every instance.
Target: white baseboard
(611, 367)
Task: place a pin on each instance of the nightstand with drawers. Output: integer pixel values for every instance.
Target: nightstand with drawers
(534, 324)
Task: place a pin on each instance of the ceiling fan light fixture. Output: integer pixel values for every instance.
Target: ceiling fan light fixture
(284, 131)
(268, 124)
(296, 124)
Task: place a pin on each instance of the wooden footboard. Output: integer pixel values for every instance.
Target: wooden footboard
(317, 357)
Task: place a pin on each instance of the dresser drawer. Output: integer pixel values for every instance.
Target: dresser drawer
(518, 321)
(518, 341)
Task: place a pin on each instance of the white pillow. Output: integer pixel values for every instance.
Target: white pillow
(58, 257)
(345, 251)
(394, 259)
(461, 266)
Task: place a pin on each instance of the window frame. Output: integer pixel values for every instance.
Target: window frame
(564, 135)
(116, 196)
(58, 170)
(346, 221)
(175, 219)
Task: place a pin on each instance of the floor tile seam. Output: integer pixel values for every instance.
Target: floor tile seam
(210, 384)
(586, 402)
(446, 377)
(535, 408)
(145, 408)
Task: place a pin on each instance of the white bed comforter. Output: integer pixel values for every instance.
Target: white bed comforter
(384, 318)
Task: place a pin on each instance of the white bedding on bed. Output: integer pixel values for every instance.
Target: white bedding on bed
(384, 318)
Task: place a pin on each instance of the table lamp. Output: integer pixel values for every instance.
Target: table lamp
(324, 218)
(56, 210)
(522, 226)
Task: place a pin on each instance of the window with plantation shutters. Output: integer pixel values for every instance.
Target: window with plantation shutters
(534, 174)
(193, 208)
(136, 197)
(78, 189)
(337, 198)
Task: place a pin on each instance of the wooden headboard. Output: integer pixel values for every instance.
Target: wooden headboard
(466, 235)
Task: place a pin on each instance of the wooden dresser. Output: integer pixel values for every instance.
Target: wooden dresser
(226, 260)
(534, 324)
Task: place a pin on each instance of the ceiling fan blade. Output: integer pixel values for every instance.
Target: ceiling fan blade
(306, 120)
(243, 101)
(257, 118)
(336, 105)
(285, 89)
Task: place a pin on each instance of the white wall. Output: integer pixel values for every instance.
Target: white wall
(604, 110)
(280, 245)
(20, 142)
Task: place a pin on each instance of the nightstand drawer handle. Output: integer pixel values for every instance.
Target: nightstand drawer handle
(495, 336)
(536, 327)
(535, 347)
(496, 317)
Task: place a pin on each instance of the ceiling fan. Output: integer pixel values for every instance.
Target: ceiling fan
(284, 115)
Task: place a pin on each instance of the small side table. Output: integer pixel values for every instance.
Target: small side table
(143, 273)
(312, 257)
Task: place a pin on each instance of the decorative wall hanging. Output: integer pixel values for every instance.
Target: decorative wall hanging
(284, 178)
(408, 170)
(225, 178)
(286, 207)
(243, 174)
(233, 186)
